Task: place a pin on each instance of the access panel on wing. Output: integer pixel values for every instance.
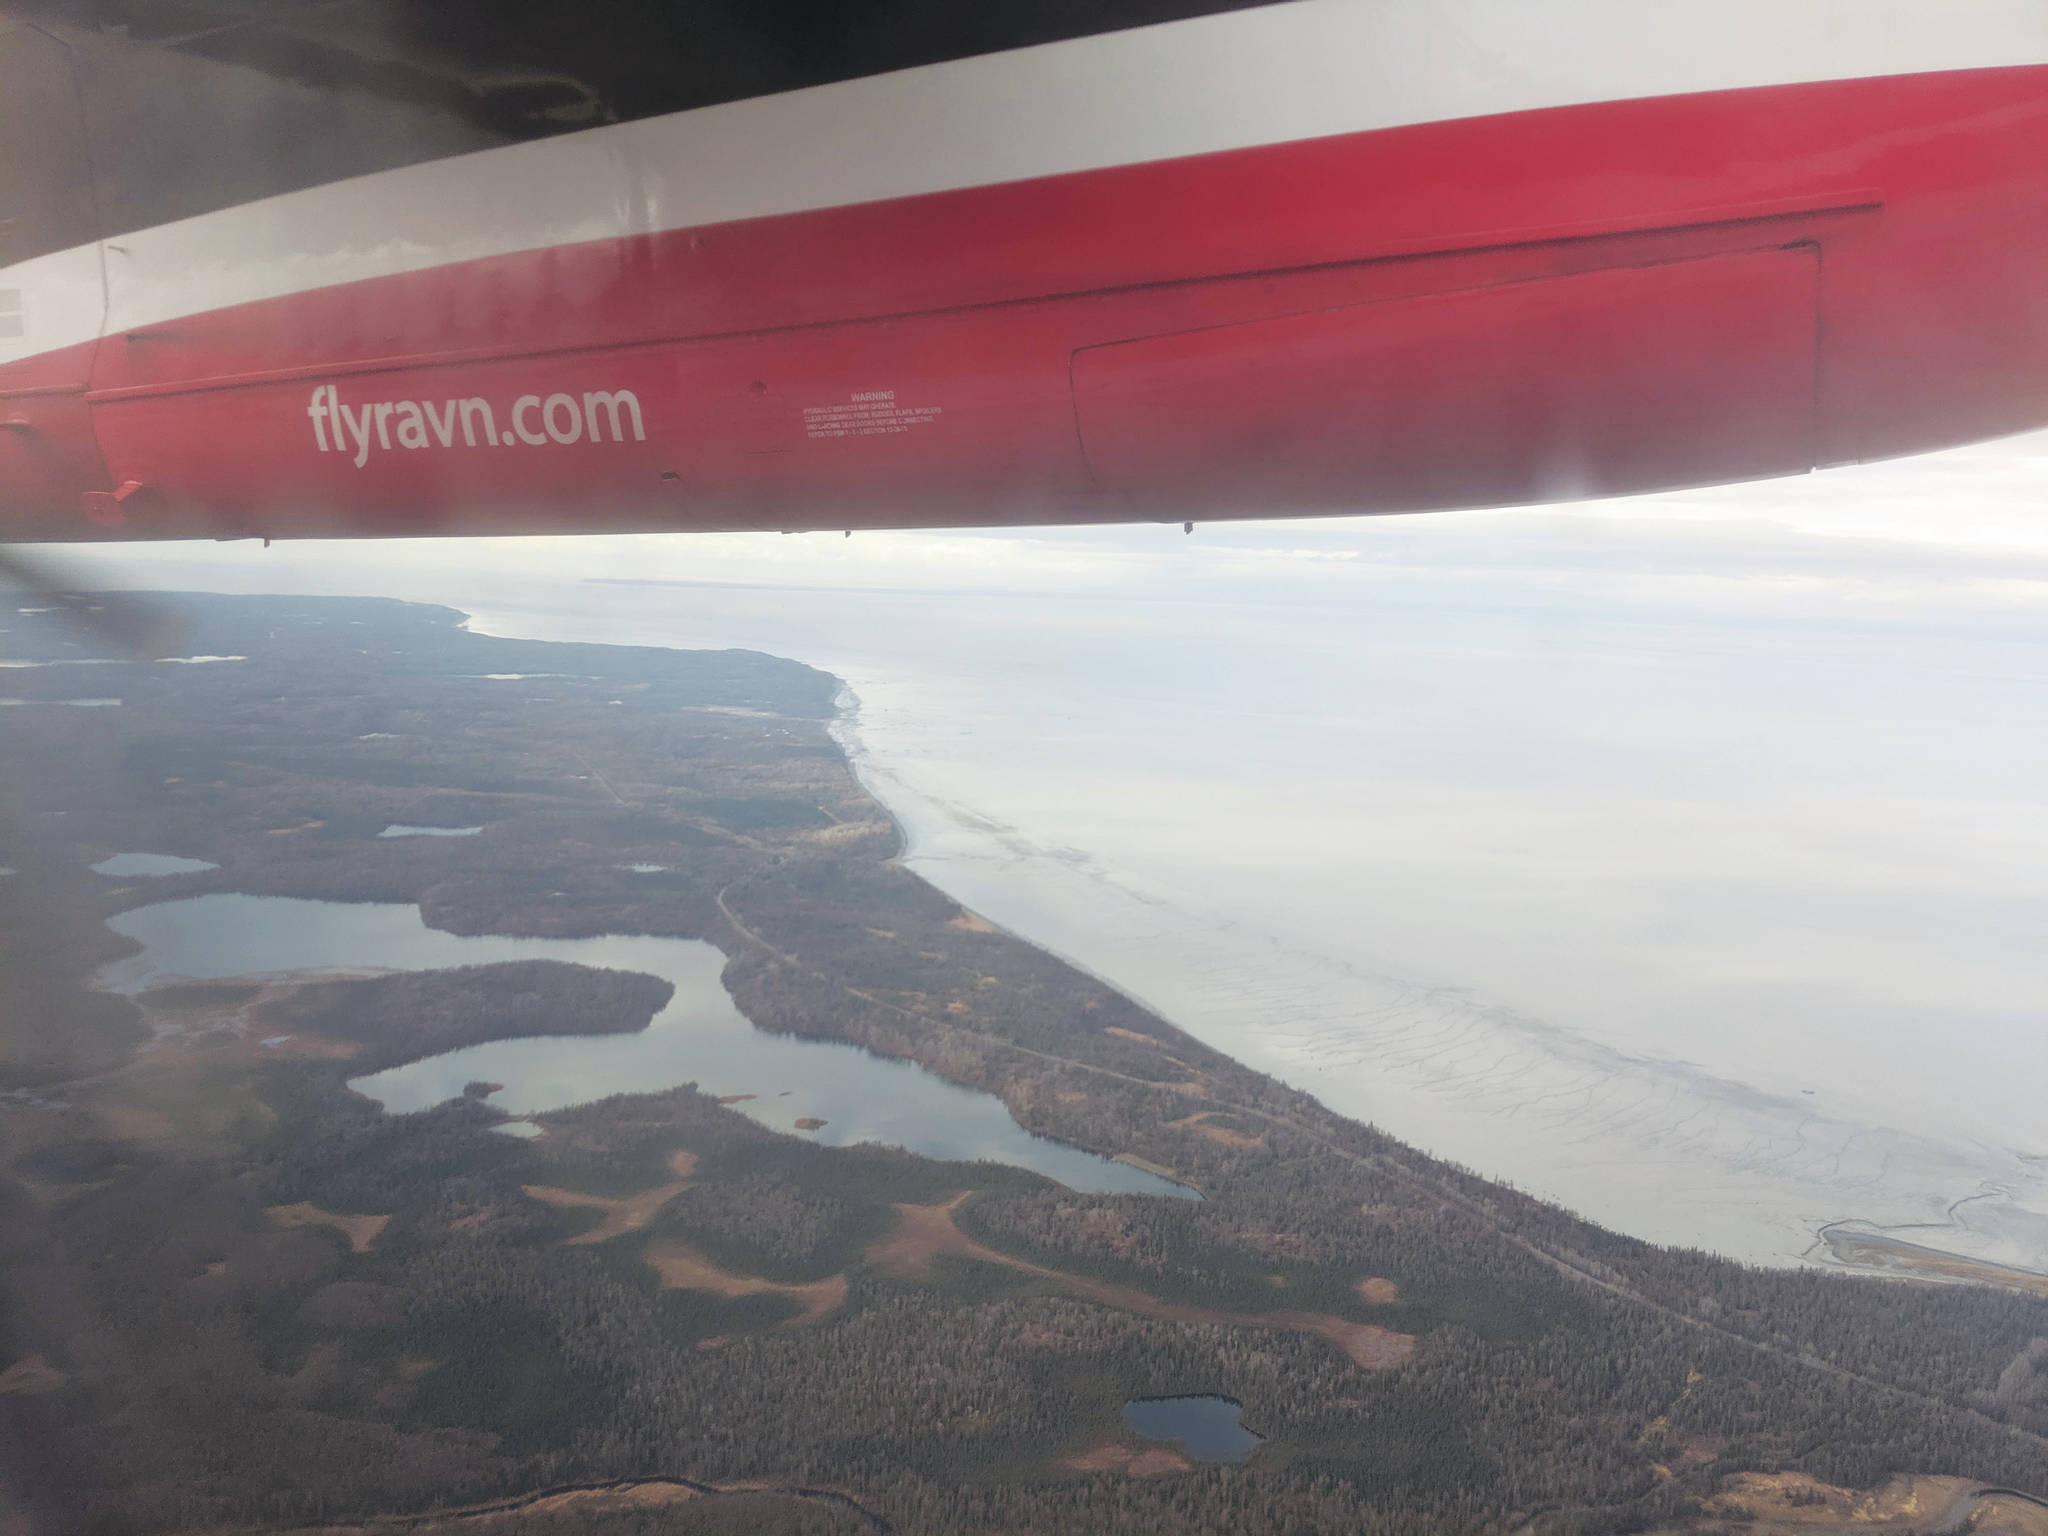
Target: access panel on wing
(1598, 384)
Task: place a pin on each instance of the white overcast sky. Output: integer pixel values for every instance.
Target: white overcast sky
(1965, 526)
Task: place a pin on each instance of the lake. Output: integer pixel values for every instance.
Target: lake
(150, 865)
(700, 1036)
(1206, 1427)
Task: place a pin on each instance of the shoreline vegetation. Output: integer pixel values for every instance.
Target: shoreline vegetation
(1851, 1244)
(239, 1296)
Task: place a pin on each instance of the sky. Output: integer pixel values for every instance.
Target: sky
(1963, 527)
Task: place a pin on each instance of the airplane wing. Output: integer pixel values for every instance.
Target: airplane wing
(351, 268)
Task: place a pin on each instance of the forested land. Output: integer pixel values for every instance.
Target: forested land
(400, 1018)
(238, 1294)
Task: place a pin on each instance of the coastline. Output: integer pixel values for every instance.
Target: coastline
(1744, 1173)
(1658, 1147)
(1464, 1313)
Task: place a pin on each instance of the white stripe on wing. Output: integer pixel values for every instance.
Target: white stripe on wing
(1308, 69)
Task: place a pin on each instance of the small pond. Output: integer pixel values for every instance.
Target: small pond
(400, 829)
(701, 1037)
(126, 865)
(116, 661)
(1206, 1427)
